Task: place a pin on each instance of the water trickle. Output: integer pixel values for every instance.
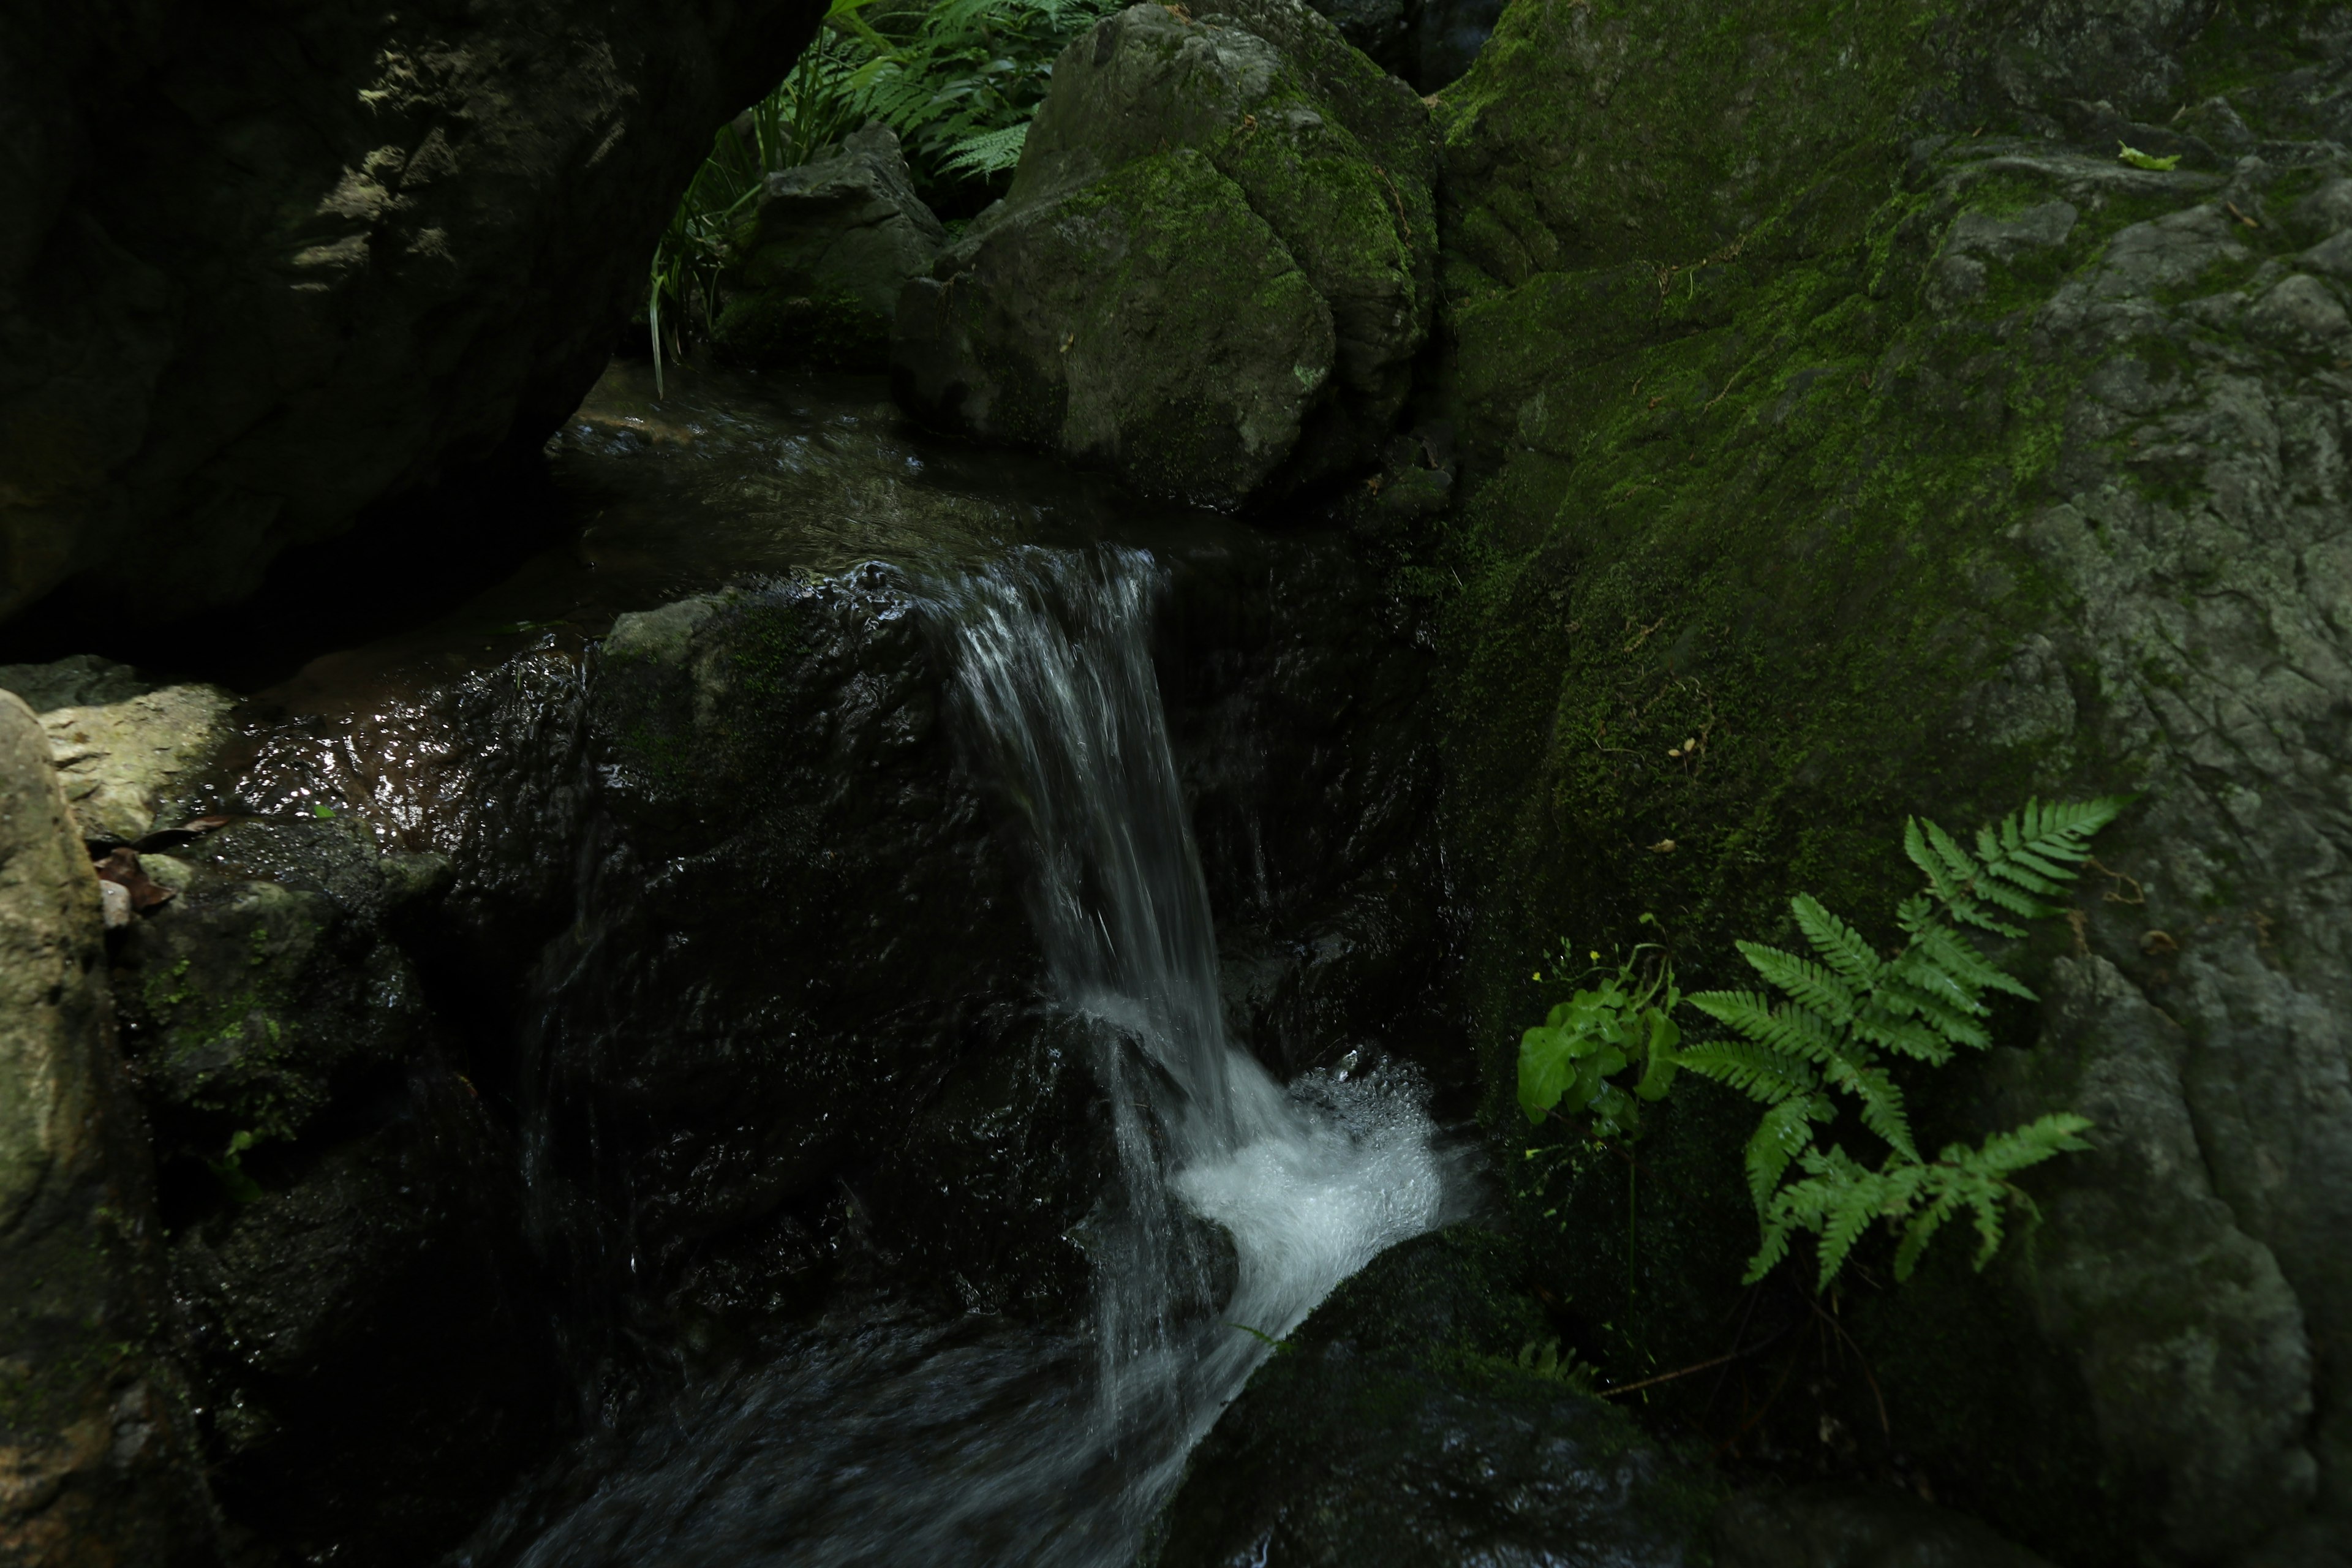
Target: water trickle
(981, 1446)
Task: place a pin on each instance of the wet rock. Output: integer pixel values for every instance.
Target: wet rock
(834, 243)
(327, 255)
(1213, 271)
(1397, 1427)
(364, 1344)
(1313, 786)
(345, 1222)
(1852, 1527)
(252, 1000)
(120, 760)
(97, 1457)
(800, 946)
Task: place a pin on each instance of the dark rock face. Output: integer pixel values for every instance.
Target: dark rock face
(1397, 1427)
(346, 1239)
(1215, 267)
(1840, 1527)
(832, 244)
(799, 930)
(1295, 680)
(263, 268)
(1951, 459)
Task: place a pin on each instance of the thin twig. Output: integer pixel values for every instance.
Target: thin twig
(1668, 1376)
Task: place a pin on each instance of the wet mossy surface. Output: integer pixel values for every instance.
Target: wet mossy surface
(1815, 384)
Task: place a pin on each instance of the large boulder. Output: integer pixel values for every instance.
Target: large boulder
(327, 1180)
(1213, 270)
(831, 247)
(1425, 1414)
(97, 1457)
(263, 268)
(1838, 397)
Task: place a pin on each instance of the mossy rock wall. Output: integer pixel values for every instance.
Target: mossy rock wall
(1844, 416)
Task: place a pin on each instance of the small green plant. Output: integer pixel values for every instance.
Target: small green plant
(1624, 1020)
(1841, 1015)
(958, 80)
(1545, 1359)
(1279, 1347)
(229, 1169)
(2139, 159)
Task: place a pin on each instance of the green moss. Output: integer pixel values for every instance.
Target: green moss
(830, 328)
(1764, 494)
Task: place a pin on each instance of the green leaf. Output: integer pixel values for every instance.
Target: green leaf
(1841, 946)
(1809, 983)
(1546, 1069)
(1785, 1132)
(1754, 1070)
(2139, 159)
(1658, 1077)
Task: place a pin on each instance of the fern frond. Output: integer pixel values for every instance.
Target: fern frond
(1882, 1101)
(1957, 957)
(1851, 1211)
(1920, 1230)
(1785, 1132)
(2006, 1153)
(1808, 981)
(1773, 1248)
(1793, 1031)
(1841, 946)
(989, 152)
(1754, 1070)
(1880, 1026)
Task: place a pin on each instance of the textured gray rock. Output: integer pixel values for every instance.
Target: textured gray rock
(834, 243)
(1214, 270)
(2193, 1348)
(121, 763)
(2042, 489)
(96, 1462)
(264, 268)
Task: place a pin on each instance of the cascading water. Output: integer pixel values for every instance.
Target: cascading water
(888, 1445)
(1055, 673)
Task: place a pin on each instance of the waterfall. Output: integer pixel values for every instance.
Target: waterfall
(1053, 664)
(879, 1442)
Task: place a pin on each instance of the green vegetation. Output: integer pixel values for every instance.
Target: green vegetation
(1626, 1020)
(1838, 1019)
(958, 80)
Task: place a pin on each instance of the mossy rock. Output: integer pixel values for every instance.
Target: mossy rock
(1906, 464)
(1213, 271)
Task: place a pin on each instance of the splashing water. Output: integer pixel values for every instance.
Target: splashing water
(988, 1447)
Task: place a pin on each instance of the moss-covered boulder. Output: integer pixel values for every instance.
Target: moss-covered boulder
(1215, 269)
(830, 246)
(1854, 431)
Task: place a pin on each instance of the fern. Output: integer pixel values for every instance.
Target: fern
(988, 152)
(1837, 1015)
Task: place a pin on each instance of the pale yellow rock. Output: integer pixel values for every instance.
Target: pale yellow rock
(118, 762)
(52, 968)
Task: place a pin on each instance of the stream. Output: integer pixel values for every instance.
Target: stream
(983, 1442)
(854, 1421)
